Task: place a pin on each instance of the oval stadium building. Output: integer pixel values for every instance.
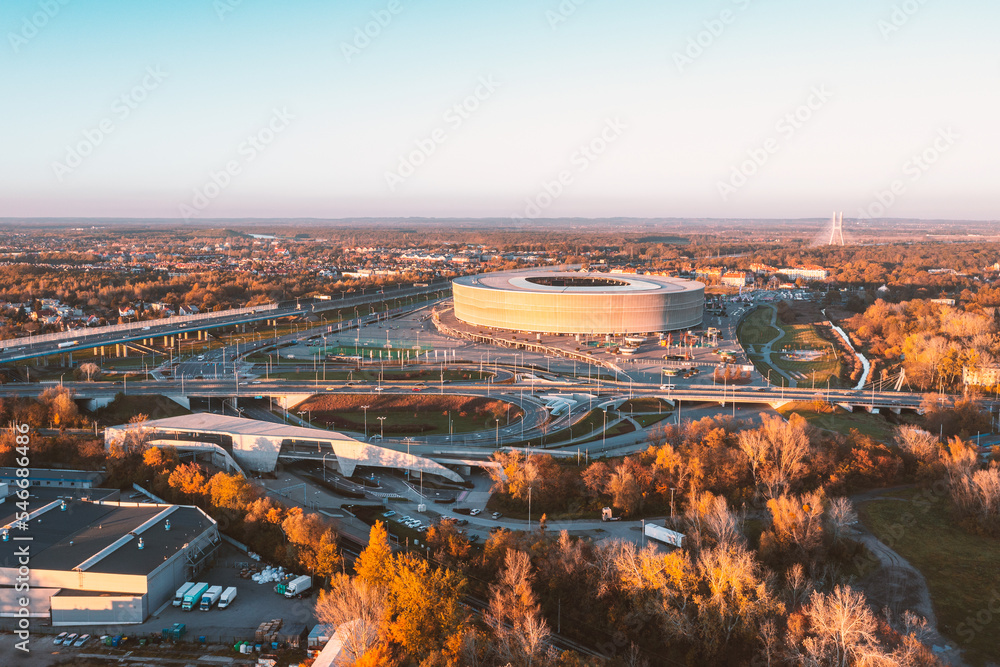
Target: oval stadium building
(549, 301)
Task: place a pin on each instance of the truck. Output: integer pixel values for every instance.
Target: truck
(664, 534)
(210, 597)
(193, 596)
(227, 598)
(298, 586)
(179, 595)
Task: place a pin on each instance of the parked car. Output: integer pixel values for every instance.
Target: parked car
(70, 638)
(81, 641)
(389, 514)
(60, 638)
(475, 512)
(497, 515)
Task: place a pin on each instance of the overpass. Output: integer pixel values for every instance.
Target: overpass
(850, 399)
(18, 349)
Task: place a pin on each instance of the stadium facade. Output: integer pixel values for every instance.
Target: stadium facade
(565, 302)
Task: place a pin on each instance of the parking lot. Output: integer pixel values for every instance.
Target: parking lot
(254, 604)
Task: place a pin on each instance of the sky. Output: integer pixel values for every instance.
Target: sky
(200, 109)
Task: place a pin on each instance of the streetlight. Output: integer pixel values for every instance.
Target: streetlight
(381, 424)
(497, 420)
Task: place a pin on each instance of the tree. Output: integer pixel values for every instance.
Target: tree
(777, 452)
(711, 523)
(842, 629)
(918, 443)
(624, 489)
(796, 526)
(188, 479)
(231, 491)
(424, 606)
(160, 457)
(375, 564)
(520, 634)
(356, 608)
(89, 370)
(840, 516)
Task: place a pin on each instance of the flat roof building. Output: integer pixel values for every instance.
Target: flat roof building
(101, 562)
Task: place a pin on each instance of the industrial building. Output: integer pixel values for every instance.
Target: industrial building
(48, 477)
(100, 562)
(257, 445)
(563, 302)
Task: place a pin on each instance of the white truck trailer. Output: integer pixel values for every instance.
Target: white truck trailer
(227, 597)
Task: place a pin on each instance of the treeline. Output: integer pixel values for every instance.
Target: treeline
(715, 454)
(932, 341)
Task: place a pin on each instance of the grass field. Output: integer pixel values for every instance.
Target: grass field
(648, 419)
(123, 408)
(841, 421)
(756, 329)
(405, 415)
(806, 337)
(960, 568)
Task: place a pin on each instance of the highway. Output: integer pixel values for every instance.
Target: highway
(18, 349)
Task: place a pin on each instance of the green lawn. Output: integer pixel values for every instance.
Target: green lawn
(960, 568)
(842, 421)
(806, 337)
(756, 329)
(649, 418)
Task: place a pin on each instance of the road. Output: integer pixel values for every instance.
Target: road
(82, 339)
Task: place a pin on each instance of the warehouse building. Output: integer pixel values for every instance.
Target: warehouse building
(100, 562)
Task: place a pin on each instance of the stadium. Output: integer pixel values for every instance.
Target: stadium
(562, 302)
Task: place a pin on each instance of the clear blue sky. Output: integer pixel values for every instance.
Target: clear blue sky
(672, 134)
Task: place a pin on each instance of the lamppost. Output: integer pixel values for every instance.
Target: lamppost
(381, 433)
(497, 420)
(365, 408)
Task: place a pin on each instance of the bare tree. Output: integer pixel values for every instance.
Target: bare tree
(840, 515)
(918, 442)
(357, 608)
(89, 370)
(520, 633)
(712, 523)
(842, 629)
(797, 521)
(777, 451)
